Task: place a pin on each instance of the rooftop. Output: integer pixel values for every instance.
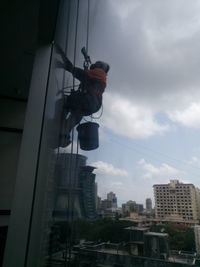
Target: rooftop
(133, 228)
(155, 234)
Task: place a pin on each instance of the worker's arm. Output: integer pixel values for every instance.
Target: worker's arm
(78, 73)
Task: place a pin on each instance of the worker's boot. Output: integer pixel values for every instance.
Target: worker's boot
(64, 136)
(64, 140)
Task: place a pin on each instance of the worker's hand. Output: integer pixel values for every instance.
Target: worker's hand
(66, 62)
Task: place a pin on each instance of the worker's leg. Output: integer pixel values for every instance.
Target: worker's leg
(70, 106)
(73, 101)
(74, 118)
(79, 105)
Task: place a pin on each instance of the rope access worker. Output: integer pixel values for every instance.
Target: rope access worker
(88, 99)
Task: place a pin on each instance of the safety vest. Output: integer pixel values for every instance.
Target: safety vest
(99, 75)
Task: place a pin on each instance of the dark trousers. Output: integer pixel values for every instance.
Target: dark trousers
(80, 104)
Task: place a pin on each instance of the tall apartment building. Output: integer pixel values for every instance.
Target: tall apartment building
(198, 201)
(176, 199)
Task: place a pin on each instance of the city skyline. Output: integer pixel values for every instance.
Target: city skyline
(147, 199)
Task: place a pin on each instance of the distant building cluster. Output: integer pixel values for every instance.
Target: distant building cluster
(77, 196)
(108, 207)
(132, 207)
(175, 202)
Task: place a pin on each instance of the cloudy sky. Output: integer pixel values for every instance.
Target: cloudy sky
(150, 127)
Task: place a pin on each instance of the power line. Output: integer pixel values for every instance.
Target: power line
(155, 157)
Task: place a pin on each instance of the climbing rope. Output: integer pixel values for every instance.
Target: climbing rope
(63, 80)
(68, 250)
(72, 166)
(71, 176)
(88, 24)
(66, 43)
(76, 170)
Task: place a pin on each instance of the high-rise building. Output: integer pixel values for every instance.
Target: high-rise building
(74, 189)
(66, 188)
(176, 199)
(139, 208)
(148, 205)
(198, 201)
(87, 193)
(112, 197)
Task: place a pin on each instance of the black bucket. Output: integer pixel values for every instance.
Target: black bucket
(88, 135)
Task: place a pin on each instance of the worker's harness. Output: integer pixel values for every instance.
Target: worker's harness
(87, 60)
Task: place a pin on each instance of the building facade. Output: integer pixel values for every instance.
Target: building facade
(112, 197)
(66, 188)
(73, 189)
(148, 205)
(197, 238)
(88, 193)
(31, 87)
(176, 199)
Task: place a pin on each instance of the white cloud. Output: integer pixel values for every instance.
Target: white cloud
(104, 168)
(152, 47)
(128, 119)
(189, 116)
(194, 162)
(124, 11)
(164, 171)
(117, 184)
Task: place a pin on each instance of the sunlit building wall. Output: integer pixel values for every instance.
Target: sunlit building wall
(175, 198)
(198, 201)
